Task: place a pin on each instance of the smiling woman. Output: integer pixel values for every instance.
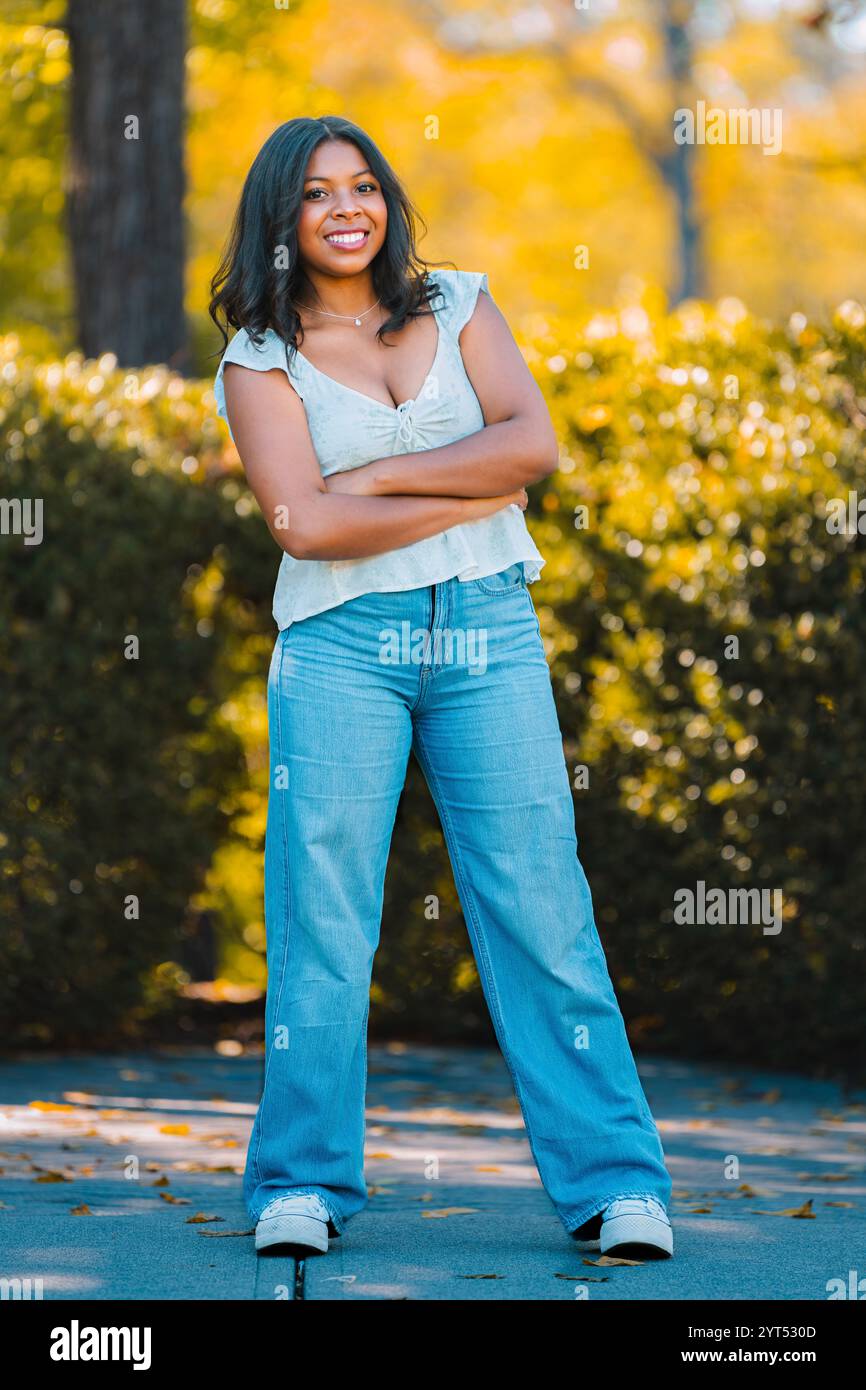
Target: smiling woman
(390, 459)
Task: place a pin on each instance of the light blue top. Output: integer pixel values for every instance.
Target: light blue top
(349, 428)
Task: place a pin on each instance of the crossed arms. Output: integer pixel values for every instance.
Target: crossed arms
(394, 501)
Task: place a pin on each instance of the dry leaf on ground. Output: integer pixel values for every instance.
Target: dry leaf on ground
(805, 1212)
(612, 1260)
(451, 1211)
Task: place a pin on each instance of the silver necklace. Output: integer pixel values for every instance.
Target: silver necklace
(356, 321)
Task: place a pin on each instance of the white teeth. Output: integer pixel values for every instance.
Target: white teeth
(347, 238)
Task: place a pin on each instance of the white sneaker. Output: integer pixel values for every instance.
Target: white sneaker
(300, 1221)
(636, 1228)
(587, 1236)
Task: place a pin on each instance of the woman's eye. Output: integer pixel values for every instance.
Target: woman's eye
(362, 187)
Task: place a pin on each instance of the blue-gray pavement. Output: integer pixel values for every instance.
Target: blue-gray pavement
(91, 1146)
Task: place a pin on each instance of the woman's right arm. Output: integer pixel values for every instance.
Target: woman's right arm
(269, 426)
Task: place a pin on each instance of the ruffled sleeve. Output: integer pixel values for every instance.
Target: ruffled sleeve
(263, 357)
(459, 290)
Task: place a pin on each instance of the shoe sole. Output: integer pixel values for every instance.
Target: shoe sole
(302, 1232)
(633, 1236)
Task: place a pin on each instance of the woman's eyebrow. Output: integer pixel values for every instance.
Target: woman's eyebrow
(322, 178)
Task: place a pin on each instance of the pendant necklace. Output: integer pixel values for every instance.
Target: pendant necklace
(356, 321)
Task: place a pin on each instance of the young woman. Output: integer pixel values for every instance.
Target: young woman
(389, 457)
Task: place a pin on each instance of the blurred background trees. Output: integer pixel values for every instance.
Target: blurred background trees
(705, 442)
(125, 178)
(523, 131)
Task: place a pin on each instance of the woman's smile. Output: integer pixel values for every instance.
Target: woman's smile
(348, 241)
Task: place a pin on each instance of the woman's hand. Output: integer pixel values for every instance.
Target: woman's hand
(362, 482)
(479, 507)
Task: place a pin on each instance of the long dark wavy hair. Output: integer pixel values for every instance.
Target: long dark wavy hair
(260, 274)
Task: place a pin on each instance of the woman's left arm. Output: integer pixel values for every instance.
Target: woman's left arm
(516, 447)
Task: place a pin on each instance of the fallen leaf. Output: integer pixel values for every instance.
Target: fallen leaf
(52, 1177)
(48, 1105)
(380, 1155)
(175, 1201)
(480, 1276)
(174, 1129)
(584, 1278)
(451, 1211)
(698, 1211)
(612, 1260)
(805, 1212)
(161, 1182)
(487, 1168)
(826, 1177)
(201, 1220)
(222, 1234)
(83, 1210)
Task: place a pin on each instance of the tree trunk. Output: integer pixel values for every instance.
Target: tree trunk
(678, 166)
(126, 178)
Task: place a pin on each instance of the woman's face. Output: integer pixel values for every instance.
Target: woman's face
(343, 213)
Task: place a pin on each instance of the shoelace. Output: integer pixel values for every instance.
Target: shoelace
(280, 1204)
(623, 1205)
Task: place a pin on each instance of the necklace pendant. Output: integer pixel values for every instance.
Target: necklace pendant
(357, 323)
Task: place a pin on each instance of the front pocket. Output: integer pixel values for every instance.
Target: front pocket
(506, 581)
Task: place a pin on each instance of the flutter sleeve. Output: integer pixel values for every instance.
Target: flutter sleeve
(263, 357)
(460, 294)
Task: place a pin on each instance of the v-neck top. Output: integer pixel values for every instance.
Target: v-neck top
(349, 428)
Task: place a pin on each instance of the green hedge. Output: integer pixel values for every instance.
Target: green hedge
(119, 774)
(704, 448)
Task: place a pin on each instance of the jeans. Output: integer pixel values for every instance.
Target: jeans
(456, 672)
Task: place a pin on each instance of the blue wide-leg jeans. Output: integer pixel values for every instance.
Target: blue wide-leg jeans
(457, 672)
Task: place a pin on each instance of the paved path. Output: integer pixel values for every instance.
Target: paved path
(106, 1161)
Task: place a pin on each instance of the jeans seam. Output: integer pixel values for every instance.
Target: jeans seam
(519, 583)
(286, 903)
(472, 913)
